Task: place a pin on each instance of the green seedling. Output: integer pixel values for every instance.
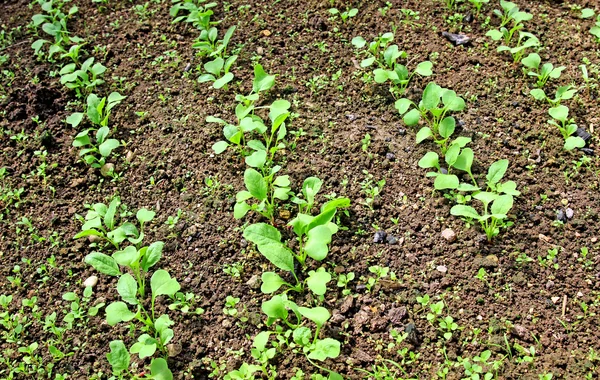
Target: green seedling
(433, 108)
(277, 310)
(386, 58)
(98, 110)
(504, 34)
(447, 326)
(101, 222)
(209, 45)
(562, 93)
(543, 74)
(349, 13)
(95, 153)
(526, 40)
(567, 127)
(264, 191)
(477, 4)
(595, 30)
(217, 71)
(313, 233)
(510, 12)
(499, 195)
(83, 79)
(457, 157)
(54, 23)
(196, 13)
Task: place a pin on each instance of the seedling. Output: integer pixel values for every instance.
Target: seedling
(83, 79)
(498, 195)
(95, 153)
(385, 57)
(101, 222)
(567, 127)
(313, 233)
(349, 13)
(264, 190)
(562, 93)
(54, 23)
(197, 13)
(526, 40)
(510, 12)
(457, 157)
(547, 71)
(433, 108)
(98, 110)
(477, 4)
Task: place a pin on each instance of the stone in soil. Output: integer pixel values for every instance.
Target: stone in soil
(449, 235)
(90, 281)
(397, 314)
(379, 237)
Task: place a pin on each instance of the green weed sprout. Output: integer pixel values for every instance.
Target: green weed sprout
(547, 71)
(567, 127)
(433, 108)
(349, 13)
(477, 4)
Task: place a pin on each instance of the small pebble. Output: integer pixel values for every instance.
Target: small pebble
(390, 156)
(391, 239)
(569, 213)
(441, 268)
(90, 281)
(560, 216)
(449, 235)
(401, 131)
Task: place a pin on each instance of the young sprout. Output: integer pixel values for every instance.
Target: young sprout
(543, 74)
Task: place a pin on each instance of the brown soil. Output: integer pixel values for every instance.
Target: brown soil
(521, 303)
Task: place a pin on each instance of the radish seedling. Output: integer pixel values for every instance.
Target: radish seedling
(95, 153)
(510, 12)
(349, 13)
(562, 93)
(526, 40)
(84, 79)
(385, 57)
(433, 108)
(198, 15)
(98, 110)
(54, 23)
(567, 127)
(547, 71)
(477, 4)
(265, 190)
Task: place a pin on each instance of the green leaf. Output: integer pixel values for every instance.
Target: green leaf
(144, 347)
(241, 209)
(118, 357)
(560, 113)
(573, 142)
(108, 146)
(423, 134)
(358, 42)
(162, 283)
(402, 105)
(317, 281)
(220, 146)
(538, 94)
(302, 336)
(118, 312)
(75, 119)
(532, 61)
(316, 244)
(496, 171)
(152, 255)
(381, 75)
(256, 184)
(103, 263)
(268, 240)
(446, 181)
(431, 96)
(319, 315)
(587, 13)
(256, 159)
(127, 288)
(222, 81)
(215, 66)
(275, 309)
(424, 69)
(144, 215)
(262, 80)
(412, 117)
(502, 204)
(278, 108)
(325, 348)
(452, 101)
(160, 370)
(495, 34)
(464, 161)
(271, 282)
(447, 126)
(429, 160)
(465, 211)
(127, 257)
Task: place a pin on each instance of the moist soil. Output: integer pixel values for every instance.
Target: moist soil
(168, 157)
